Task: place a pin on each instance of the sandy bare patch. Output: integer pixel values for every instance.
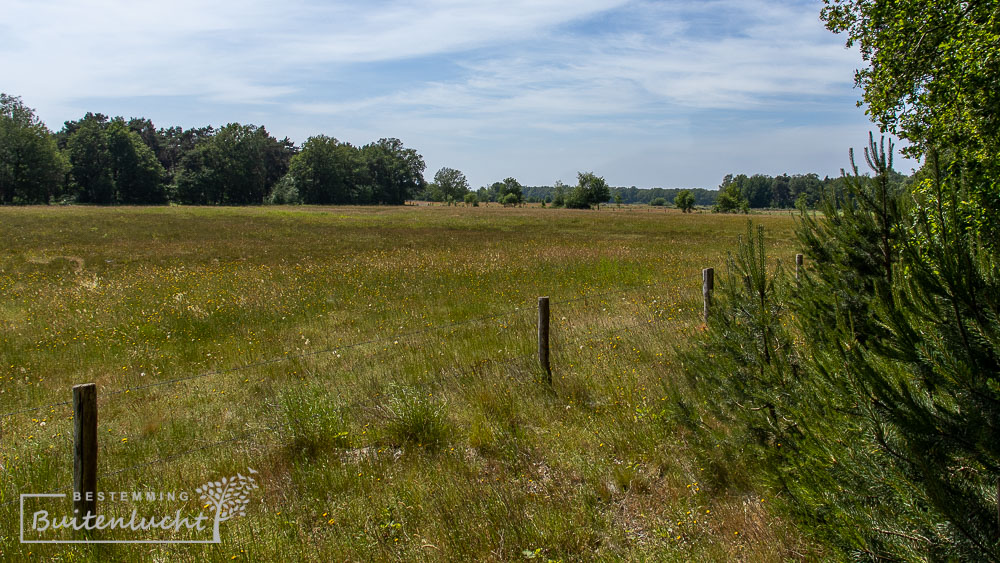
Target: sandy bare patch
(78, 262)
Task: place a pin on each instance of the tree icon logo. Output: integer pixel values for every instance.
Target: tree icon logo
(228, 497)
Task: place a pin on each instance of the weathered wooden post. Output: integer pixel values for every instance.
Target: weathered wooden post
(85, 449)
(798, 265)
(543, 337)
(707, 285)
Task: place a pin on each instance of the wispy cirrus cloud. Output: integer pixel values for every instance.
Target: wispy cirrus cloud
(533, 88)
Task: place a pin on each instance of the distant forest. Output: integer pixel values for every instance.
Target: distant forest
(758, 191)
(114, 161)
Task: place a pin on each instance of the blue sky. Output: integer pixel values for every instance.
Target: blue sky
(671, 94)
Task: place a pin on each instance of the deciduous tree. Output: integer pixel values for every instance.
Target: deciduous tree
(448, 182)
(684, 201)
(31, 169)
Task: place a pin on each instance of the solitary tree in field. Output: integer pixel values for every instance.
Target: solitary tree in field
(510, 192)
(684, 201)
(590, 190)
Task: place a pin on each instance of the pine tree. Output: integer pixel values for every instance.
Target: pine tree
(884, 393)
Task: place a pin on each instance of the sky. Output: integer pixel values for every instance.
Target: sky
(644, 93)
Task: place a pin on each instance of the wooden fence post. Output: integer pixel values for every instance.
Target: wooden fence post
(798, 265)
(543, 337)
(707, 286)
(85, 449)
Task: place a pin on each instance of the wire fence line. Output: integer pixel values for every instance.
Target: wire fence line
(288, 357)
(283, 358)
(453, 373)
(456, 372)
(276, 427)
(228, 441)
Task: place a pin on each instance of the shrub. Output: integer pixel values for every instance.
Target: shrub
(285, 192)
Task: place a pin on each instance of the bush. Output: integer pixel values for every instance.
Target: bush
(285, 192)
(658, 202)
(743, 370)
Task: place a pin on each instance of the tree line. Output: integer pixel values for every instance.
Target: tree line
(112, 161)
(739, 192)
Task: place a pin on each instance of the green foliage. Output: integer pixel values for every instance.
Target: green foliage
(90, 161)
(448, 183)
(933, 79)
(471, 199)
(658, 202)
(684, 201)
(590, 190)
(394, 173)
(327, 171)
(559, 195)
(744, 371)
(285, 192)
(238, 165)
(731, 199)
(137, 175)
(741, 192)
(31, 169)
(110, 164)
(932, 74)
(509, 192)
(853, 244)
(884, 392)
(312, 421)
(173, 143)
(910, 359)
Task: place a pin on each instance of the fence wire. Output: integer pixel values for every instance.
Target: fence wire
(457, 372)
(329, 350)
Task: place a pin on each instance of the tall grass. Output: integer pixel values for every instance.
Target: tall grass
(403, 416)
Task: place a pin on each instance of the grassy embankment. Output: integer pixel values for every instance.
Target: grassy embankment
(427, 442)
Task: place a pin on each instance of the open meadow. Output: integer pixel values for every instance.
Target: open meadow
(376, 368)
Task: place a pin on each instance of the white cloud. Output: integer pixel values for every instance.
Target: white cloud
(601, 79)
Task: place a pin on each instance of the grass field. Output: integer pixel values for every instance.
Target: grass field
(375, 367)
